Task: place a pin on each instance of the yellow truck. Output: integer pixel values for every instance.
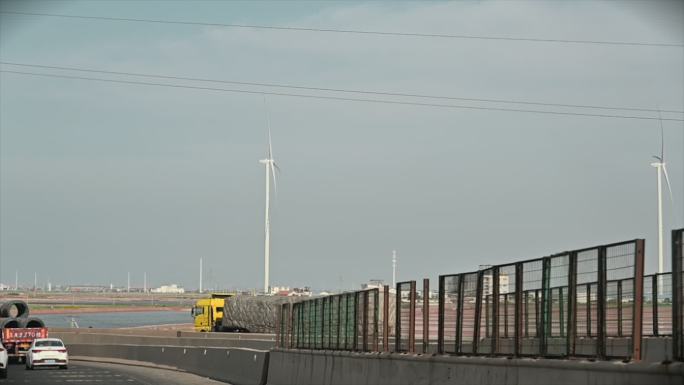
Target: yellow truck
(208, 312)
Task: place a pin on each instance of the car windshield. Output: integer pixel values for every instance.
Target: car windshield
(49, 343)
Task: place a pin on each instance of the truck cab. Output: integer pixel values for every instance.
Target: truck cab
(208, 312)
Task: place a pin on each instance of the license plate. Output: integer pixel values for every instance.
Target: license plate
(50, 361)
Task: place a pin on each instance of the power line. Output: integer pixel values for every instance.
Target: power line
(382, 101)
(383, 93)
(347, 31)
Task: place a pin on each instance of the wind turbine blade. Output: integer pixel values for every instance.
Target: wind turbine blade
(273, 175)
(667, 180)
(669, 188)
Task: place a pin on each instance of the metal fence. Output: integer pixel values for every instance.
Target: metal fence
(347, 321)
(658, 300)
(678, 293)
(567, 304)
(593, 302)
(405, 336)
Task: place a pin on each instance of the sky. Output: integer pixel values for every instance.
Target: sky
(100, 179)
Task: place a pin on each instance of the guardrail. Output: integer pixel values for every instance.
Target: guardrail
(594, 302)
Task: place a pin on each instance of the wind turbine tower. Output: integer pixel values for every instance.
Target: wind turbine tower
(661, 169)
(271, 167)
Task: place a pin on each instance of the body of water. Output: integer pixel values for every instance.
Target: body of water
(116, 320)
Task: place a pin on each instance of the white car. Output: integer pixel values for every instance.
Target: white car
(47, 352)
(3, 362)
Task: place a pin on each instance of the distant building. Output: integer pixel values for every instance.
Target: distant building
(373, 284)
(280, 290)
(487, 284)
(286, 291)
(87, 288)
(169, 289)
(301, 292)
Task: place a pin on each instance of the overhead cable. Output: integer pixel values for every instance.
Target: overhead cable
(382, 101)
(326, 89)
(346, 31)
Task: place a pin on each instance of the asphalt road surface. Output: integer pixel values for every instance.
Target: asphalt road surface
(91, 373)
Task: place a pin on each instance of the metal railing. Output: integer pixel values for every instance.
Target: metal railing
(562, 305)
(347, 321)
(405, 335)
(593, 302)
(658, 301)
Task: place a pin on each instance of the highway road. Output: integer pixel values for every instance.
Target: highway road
(91, 373)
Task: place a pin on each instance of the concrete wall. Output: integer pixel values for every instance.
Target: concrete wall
(234, 365)
(240, 359)
(231, 357)
(330, 368)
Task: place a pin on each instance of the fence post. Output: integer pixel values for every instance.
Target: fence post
(545, 307)
(364, 318)
(572, 304)
(412, 318)
(517, 349)
(426, 314)
(331, 301)
(385, 318)
(654, 303)
(601, 304)
(355, 332)
(459, 314)
(677, 291)
(638, 299)
(478, 310)
(376, 306)
(397, 319)
(290, 326)
(440, 317)
(495, 310)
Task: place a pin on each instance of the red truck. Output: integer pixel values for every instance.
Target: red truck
(18, 340)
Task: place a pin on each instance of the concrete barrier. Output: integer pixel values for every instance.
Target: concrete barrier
(234, 365)
(232, 358)
(331, 368)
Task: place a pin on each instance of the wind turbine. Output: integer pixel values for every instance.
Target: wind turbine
(661, 169)
(271, 167)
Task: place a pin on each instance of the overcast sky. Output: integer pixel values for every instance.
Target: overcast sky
(98, 179)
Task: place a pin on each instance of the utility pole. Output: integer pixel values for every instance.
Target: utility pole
(145, 282)
(35, 281)
(200, 282)
(16, 280)
(128, 285)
